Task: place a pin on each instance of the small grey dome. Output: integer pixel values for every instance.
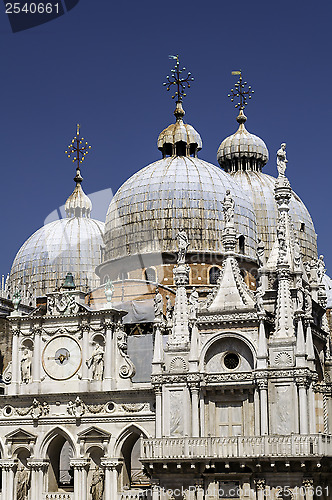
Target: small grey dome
(242, 150)
(179, 138)
(78, 203)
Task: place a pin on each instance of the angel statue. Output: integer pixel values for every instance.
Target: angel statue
(183, 243)
(282, 160)
(228, 208)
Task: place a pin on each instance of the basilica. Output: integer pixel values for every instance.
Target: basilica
(180, 350)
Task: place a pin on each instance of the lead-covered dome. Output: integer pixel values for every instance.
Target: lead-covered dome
(72, 244)
(179, 191)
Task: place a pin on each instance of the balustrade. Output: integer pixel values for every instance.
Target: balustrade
(293, 445)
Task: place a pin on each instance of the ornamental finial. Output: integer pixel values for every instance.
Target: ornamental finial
(175, 79)
(240, 92)
(77, 150)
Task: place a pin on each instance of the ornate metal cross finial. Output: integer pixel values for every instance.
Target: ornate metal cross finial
(240, 91)
(78, 149)
(175, 79)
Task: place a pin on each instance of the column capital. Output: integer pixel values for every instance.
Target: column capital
(8, 463)
(111, 463)
(302, 382)
(260, 484)
(79, 463)
(37, 464)
(308, 482)
(262, 384)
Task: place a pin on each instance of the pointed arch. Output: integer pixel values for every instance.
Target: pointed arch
(57, 431)
(125, 433)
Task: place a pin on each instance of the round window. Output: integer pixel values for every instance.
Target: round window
(231, 360)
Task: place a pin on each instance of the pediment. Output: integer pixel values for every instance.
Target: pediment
(20, 436)
(93, 434)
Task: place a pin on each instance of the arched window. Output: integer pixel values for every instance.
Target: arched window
(60, 473)
(241, 243)
(214, 274)
(150, 274)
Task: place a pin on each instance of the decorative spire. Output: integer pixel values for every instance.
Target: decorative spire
(231, 293)
(241, 93)
(176, 79)
(78, 204)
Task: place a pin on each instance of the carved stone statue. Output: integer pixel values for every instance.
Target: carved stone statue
(260, 252)
(23, 481)
(297, 255)
(299, 294)
(281, 159)
(228, 208)
(26, 366)
(321, 270)
(259, 299)
(96, 362)
(183, 244)
(158, 306)
(97, 484)
(169, 309)
(314, 271)
(281, 236)
(76, 408)
(16, 299)
(307, 302)
(193, 304)
(109, 290)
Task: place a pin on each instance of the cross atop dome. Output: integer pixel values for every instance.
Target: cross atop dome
(175, 79)
(240, 92)
(78, 150)
(78, 204)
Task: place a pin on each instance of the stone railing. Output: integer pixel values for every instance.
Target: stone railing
(58, 496)
(294, 445)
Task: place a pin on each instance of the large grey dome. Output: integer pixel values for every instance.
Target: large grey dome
(178, 191)
(65, 245)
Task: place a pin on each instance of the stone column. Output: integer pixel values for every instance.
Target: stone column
(159, 422)
(37, 355)
(199, 489)
(155, 489)
(302, 384)
(260, 488)
(111, 467)
(8, 473)
(80, 467)
(15, 359)
(85, 345)
(37, 467)
(194, 389)
(312, 409)
(264, 420)
(308, 486)
(108, 353)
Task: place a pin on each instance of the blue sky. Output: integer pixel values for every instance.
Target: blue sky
(102, 65)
